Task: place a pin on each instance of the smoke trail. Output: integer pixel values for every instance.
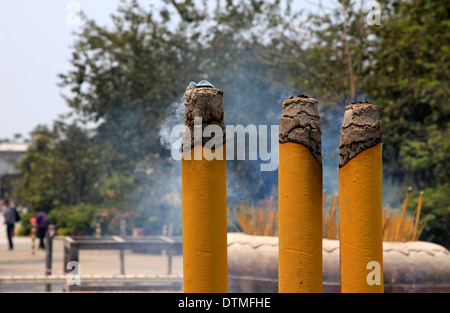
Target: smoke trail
(175, 116)
(363, 96)
(331, 118)
(245, 181)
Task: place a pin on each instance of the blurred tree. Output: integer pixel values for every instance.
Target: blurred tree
(61, 167)
(410, 82)
(403, 65)
(123, 78)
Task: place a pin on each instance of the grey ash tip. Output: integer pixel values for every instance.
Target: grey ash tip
(360, 130)
(300, 123)
(204, 102)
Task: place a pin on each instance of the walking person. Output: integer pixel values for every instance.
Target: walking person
(42, 226)
(9, 215)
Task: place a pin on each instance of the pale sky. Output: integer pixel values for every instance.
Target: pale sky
(35, 46)
(35, 41)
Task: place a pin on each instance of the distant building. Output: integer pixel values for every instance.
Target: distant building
(10, 155)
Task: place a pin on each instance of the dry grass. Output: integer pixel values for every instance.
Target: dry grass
(330, 221)
(256, 219)
(263, 220)
(401, 226)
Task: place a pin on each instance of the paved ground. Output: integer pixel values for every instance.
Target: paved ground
(20, 261)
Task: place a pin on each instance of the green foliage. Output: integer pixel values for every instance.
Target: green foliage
(76, 220)
(60, 167)
(119, 190)
(82, 220)
(125, 78)
(428, 160)
(436, 203)
(25, 224)
(409, 81)
(63, 232)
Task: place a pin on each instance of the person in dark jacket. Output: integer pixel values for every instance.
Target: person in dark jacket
(10, 219)
(41, 226)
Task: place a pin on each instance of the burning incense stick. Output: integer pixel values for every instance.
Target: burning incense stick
(360, 203)
(416, 224)
(402, 217)
(300, 197)
(204, 197)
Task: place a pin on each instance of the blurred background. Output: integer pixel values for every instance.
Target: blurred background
(86, 87)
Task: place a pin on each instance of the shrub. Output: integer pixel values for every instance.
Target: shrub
(25, 224)
(76, 220)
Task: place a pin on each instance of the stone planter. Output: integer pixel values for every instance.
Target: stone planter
(408, 267)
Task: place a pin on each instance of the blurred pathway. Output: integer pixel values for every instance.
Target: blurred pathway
(20, 261)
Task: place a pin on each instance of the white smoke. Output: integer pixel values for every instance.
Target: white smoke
(175, 116)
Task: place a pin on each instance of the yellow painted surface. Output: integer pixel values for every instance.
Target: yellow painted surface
(204, 224)
(360, 220)
(299, 220)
